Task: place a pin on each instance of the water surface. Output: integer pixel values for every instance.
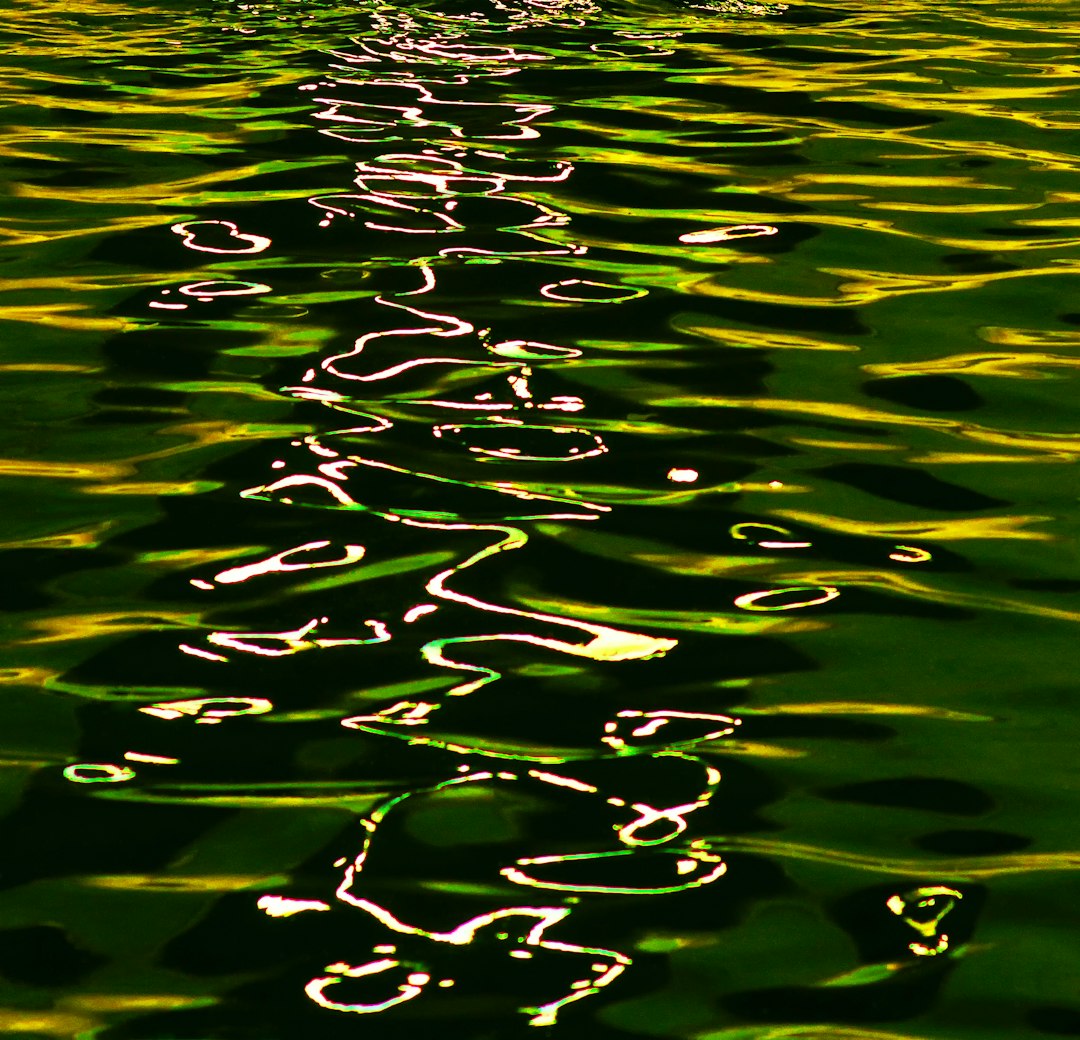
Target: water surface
(539, 517)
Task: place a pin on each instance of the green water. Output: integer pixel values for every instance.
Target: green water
(535, 518)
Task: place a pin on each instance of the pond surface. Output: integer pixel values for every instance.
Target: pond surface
(539, 518)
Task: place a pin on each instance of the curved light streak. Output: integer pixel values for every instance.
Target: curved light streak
(754, 600)
(728, 234)
(212, 289)
(717, 726)
(277, 564)
(606, 643)
(316, 988)
(103, 773)
(745, 531)
(694, 857)
(909, 554)
(553, 291)
(255, 243)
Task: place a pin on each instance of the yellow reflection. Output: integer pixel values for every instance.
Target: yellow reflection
(948, 529)
(908, 586)
(682, 620)
(872, 708)
(1013, 365)
(975, 868)
(923, 910)
(49, 1023)
(806, 1032)
(179, 882)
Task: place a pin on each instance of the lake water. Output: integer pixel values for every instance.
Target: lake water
(540, 518)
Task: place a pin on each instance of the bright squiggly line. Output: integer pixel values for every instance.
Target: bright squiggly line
(294, 640)
(499, 487)
(554, 292)
(316, 987)
(257, 242)
(414, 114)
(607, 644)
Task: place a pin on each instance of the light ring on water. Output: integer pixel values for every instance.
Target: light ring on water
(909, 554)
(753, 600)
(728, 234)
(107, 773)
(622, 293)
(213, 289)
(257, 243)
(740, 531)
(316, 988)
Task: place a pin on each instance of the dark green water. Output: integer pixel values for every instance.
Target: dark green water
(550, 519)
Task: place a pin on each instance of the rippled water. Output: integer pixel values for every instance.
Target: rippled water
(552, 516)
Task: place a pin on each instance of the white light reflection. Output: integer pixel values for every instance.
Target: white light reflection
(728, 234)
(763, 601)
(316, 988)
(98, 773)
(153, 760)
(909, 554)
(209, 710)
(763, 535)
(706, 868)
(277, 564)
(280, 906)
(572, 453)
(211, 289)
(610, 293)
(293, 641)
(190, 230)
(606, 644)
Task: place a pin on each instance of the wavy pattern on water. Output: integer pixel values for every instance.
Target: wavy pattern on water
(542, 590)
